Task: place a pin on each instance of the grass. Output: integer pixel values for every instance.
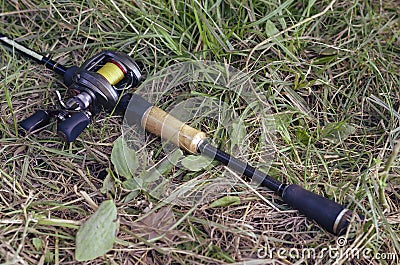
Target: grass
(330, 71)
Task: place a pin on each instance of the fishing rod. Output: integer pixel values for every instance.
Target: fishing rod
(101, 83)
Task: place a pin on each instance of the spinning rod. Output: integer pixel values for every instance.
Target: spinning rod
(101, 83)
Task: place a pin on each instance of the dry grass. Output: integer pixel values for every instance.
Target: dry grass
(341, 66)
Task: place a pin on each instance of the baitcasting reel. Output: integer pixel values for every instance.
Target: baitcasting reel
(98, 84)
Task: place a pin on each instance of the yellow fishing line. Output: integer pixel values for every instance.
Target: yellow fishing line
(112, 73)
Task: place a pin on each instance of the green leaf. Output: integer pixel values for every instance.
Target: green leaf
(283, 119)
(336, 132)
(123, 158)
(49, 257)
(108, 185)
(195, 162)
(270, 28)
(225, 201)
(133, 184)
(302, 135)
(166, 165)
(217, 253)
(131, 196)
(97, 235)
(37, 243)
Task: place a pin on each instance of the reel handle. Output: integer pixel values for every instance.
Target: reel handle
(70, 128)
(36, 121)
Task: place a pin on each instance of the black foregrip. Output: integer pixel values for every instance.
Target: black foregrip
(332, 216)
(36, 121)
(122, 104)
(69, 75)
(135, 109)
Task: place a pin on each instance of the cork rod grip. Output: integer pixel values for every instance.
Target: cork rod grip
(164, 125)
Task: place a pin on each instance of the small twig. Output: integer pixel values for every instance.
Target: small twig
(86, 197)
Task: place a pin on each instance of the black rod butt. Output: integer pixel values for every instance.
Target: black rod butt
(331, 216)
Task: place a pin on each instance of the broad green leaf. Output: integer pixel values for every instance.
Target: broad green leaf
(336, 132)
(123, 158)
(166, 165)
(302, 136)
(271, 29)
(149, 179)
(195, 162)
(108, 185)
(283, 119)
(131, 196)
(133, 184)
(97, 235)
(49, 257)
(225, 201)
(37, 243)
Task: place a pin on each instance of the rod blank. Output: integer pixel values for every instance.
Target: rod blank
(50, 64)
(253, 174)
(330, 215)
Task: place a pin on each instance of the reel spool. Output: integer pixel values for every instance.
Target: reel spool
(97, 85)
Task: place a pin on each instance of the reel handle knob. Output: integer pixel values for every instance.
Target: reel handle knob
(72, 127)
(36, 121)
